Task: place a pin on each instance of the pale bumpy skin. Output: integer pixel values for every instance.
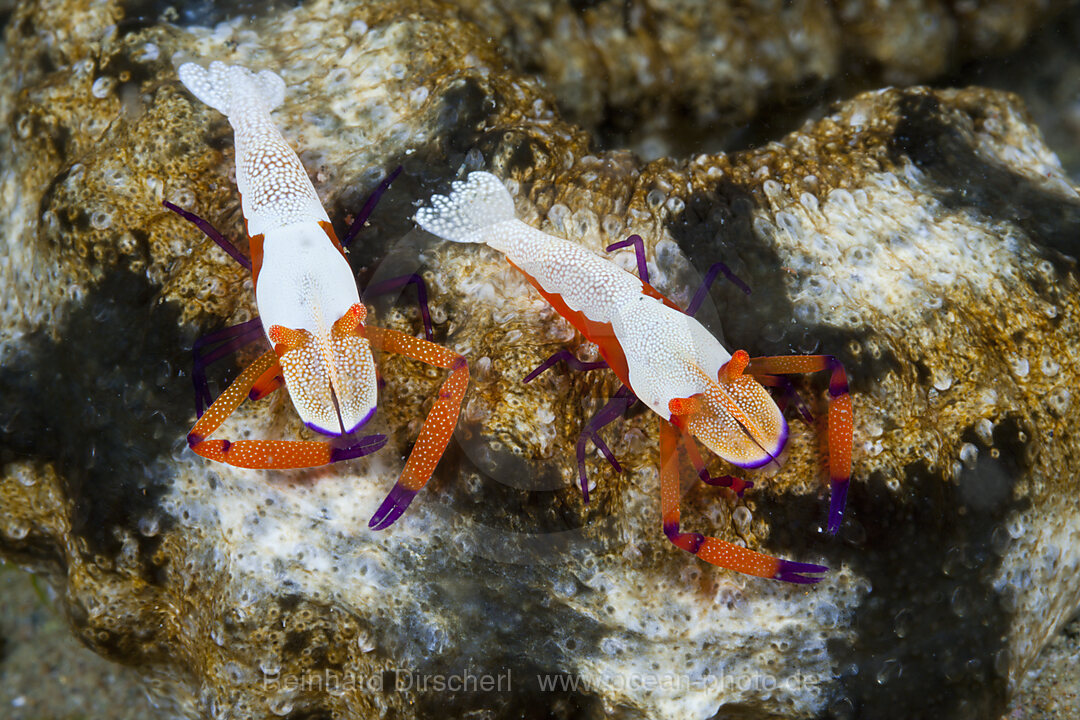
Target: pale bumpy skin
(304, 282)
(669, 354)
(274, 187)
(918, 232)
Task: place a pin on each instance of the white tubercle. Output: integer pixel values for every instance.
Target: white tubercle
(481, 210)
(471, 212)
(275, 189)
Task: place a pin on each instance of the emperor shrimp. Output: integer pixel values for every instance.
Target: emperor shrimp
(665, 358)
(310, 309)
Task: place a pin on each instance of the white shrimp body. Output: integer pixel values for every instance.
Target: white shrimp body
(657, 350)
(303, 283)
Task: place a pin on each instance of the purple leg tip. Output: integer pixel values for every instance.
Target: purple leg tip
(366, 446)
(536, 371)
(369, 207)
(212, 347)
(837, 504)
(795, 572)
(388, 286)
(602, 446)
(392, 508)
(622, 401)
(584, 480)
(571, 361)
(710, 277)
(211, 232)
(582, 474)
(729, 481)
(639, 253)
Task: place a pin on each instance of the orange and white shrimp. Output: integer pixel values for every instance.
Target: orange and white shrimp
(663, 356)
(310, 308)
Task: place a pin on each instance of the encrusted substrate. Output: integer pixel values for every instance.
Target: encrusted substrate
(1051, 690)
(1046, 73)
(638, 68)
(924, 237)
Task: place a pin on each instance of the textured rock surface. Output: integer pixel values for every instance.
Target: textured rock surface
(638, 69)
(921, 235)
(47, 674)
(1052, 687)
(1046, 73)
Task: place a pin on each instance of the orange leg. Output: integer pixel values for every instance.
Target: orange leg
(267, 383)
(840, 422)
(265, 454)
(437, 429)
(711, 549)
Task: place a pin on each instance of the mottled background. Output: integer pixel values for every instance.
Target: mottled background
(659, 95)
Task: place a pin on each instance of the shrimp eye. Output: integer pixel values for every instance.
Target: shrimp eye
(733, 368)
(286, 339)
(685, 406)
(353, 318)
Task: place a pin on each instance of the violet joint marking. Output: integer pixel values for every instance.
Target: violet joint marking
(663, 355)
(308, 302)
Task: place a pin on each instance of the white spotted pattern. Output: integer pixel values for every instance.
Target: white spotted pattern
(304, 283)
(668, 353)
(275, 190)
